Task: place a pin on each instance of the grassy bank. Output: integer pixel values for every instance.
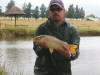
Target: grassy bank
(0, 71)
(27, 26)
(0, 33)
(10, 33)
(18, 31)
(86, 32)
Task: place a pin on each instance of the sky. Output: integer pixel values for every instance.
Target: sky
(90, 6)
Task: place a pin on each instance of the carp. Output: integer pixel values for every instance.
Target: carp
(52, 43)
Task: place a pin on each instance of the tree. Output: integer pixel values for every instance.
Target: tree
(10, 5)
(24, 7)
(36, 12)
(27, 9)
(42, 11)
(71, 12)
(77, 12)
(0, 11)
(82, 13)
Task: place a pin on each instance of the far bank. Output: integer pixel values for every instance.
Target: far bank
(29, 32)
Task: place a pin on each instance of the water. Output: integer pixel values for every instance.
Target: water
(89, 60)
(20, 57)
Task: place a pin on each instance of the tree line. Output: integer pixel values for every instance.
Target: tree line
(42, 11)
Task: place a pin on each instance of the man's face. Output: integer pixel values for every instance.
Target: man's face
(56, 13)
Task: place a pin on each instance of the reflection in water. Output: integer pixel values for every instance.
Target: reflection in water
(18, 57)
(16, 38)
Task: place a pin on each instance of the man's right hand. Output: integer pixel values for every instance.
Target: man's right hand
(65, 52)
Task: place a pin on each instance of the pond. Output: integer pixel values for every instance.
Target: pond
(89, 59)
(19, 54)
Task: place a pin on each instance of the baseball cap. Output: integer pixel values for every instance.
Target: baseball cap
(56, 2)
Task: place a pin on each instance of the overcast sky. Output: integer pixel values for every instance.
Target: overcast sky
(90, 6)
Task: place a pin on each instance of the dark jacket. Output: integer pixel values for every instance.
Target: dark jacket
(55, 64)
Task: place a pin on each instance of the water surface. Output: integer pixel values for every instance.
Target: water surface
(21, 52)
(89, 59)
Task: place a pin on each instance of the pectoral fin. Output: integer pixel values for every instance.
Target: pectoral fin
(51, 50)
(72, 49)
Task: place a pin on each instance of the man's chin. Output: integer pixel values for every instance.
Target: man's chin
(56, 19)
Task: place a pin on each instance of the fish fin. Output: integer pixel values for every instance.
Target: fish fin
(72, 49)
(51, 50)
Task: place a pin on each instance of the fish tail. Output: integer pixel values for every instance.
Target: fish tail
(72, 49)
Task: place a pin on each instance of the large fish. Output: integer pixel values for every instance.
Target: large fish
(52, 43)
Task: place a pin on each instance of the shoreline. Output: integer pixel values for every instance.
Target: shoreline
(24, 32)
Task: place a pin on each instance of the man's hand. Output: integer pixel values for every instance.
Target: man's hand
(64, 52)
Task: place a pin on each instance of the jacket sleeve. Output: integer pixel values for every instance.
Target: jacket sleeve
(75, 39)
(39, 50)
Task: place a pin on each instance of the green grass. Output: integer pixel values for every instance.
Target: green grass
(0, 32)
(14, 28)
(30, 31)
(83, 30)
(90, 32)
(20, 30)
(0, 71)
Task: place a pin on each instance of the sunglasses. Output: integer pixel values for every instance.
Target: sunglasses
(55, 9)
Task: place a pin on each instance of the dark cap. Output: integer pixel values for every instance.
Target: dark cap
(56, 2)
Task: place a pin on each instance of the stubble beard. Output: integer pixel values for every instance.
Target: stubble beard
(56, 18)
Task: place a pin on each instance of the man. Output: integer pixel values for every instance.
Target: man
(56, 63)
